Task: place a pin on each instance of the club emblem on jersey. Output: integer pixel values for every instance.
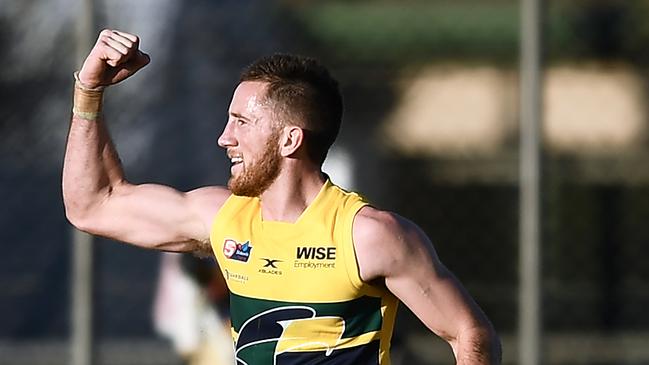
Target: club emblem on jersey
(237, 251)
(293, 331)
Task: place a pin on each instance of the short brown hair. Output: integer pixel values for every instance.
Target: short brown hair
(302, 91)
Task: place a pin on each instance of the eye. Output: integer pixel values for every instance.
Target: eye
(240, 122)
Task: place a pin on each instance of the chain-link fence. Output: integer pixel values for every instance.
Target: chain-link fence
(430, 131)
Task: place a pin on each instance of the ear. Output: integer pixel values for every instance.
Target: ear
(292, 139)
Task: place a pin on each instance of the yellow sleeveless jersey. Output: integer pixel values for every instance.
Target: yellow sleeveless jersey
(296, 293)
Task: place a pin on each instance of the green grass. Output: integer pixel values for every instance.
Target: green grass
(391, 31)
(414, 31)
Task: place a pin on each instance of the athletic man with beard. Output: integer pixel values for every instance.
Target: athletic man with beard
(315, 272)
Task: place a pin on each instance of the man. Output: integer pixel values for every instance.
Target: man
(315, 273)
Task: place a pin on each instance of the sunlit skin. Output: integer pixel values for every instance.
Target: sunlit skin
(269, 161)
(268, 155)
(251, 140)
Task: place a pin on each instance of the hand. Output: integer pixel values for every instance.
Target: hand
(114, 57)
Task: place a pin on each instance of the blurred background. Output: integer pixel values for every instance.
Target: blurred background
(431, 130)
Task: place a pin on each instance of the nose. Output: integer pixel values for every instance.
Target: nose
(227, 138)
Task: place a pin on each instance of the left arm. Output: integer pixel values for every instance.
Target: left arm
(395, 249)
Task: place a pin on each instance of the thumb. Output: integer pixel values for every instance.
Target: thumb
(139, 60)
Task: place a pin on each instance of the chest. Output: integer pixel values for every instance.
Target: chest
(307, 265)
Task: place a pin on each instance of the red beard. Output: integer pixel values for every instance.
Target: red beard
(255, 178)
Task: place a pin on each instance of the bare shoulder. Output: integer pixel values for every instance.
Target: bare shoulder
(208, 200)
(205, 202)
(212, 194)
(383, 240)
(373, 225)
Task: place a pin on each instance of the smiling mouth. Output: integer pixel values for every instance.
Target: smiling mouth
(236, 165)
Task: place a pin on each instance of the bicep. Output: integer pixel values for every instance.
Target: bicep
(431, 292)
(438, 299)
(395, 249)
(157, 216)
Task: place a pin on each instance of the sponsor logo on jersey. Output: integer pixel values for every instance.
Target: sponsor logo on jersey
(270, 266)
(229, 275)
(315, 257)
(237, 251)
(289, 328)
(271, 263)
(316, 253)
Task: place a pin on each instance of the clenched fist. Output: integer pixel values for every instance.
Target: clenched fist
(114, 58)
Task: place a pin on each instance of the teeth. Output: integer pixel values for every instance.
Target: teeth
(236, 160)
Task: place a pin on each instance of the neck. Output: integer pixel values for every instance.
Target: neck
(290, 194)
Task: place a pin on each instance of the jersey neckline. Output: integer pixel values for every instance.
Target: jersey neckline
(304, 216)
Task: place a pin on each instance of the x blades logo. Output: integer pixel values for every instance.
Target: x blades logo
(270, 267)
(271, 263)
(237, 251)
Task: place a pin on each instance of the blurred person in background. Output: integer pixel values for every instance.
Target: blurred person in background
(190, 309)
(315, 272)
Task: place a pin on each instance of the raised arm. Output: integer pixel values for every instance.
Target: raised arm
(98, 198)
(394, 249)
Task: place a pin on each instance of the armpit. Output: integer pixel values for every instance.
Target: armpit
(203, 249)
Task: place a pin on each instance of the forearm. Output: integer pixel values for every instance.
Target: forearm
(91, 168)
(477, 345)
(97, 198)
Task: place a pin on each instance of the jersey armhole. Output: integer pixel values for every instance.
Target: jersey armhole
(346, 235)
(218, 217)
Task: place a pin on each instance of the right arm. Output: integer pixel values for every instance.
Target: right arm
(393, 250)
(97, 197)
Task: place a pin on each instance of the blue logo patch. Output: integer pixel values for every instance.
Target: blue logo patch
(237, 251)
